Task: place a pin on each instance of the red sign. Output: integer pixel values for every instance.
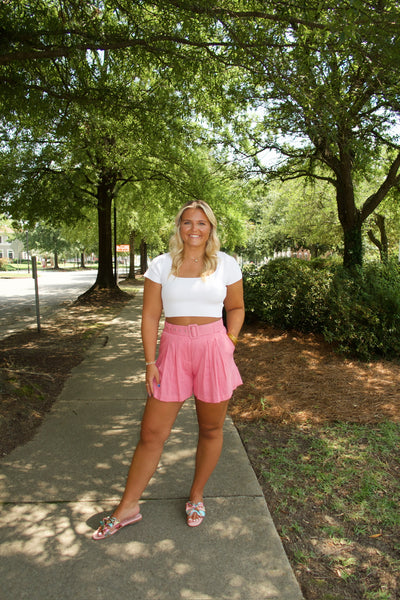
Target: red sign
(122, 247)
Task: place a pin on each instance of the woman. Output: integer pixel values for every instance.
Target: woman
(192, 284)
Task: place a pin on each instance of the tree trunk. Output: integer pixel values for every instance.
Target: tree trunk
(105, 275)
(380, 221)
(382, 244)
(131, 274)
(143, 257)
(105, 281)
(349, 215)
(82, 260)
(56, 260)
(353, 251)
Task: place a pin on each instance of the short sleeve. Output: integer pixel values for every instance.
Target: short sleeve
(232, 272)
(154, 272)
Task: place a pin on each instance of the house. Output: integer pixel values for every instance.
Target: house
(10, 249)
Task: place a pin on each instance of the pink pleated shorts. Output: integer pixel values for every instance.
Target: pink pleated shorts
(196, 360)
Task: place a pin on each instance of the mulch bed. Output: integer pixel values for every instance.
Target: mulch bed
(294, 377)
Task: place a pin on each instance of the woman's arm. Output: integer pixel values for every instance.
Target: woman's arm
(234, 307)
(151, 313)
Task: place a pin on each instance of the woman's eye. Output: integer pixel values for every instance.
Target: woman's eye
(200, 223)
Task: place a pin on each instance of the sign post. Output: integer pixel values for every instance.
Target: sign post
(34, 275)
(124, 248)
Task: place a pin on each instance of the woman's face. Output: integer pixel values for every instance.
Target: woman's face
(195, 228)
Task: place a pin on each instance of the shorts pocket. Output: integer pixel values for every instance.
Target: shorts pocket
(230, 345)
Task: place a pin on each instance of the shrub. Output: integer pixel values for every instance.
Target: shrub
(287, 293)
(364, 311)
(3, 264)
(359, 311)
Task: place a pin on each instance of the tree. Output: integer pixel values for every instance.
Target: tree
(93, 151)
(47, 240)
(83, 235)
(182, 174)
(382, 244)
(84, 123)
(384, 227)
(292, 215)
(322, 75)
(329, 99)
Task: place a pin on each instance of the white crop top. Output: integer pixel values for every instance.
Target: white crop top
(194, 296)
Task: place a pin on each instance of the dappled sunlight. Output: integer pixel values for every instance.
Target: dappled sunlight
(44, 534)
(50, 542)
(133, 549)
(182, 568)
(102, 444)
(189, 594)
(232, 529)
(175, 455)
(293, 377)
(103, 466)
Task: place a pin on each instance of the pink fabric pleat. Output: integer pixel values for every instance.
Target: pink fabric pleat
(199, 365)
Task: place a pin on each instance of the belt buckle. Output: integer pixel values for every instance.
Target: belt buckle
(193, 330)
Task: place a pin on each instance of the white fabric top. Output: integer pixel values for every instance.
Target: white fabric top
(194, 296)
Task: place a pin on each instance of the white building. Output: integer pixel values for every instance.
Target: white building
(9, 248)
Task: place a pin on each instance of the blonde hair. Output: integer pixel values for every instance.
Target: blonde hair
(176, 246)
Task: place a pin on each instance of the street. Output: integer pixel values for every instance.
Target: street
(17, 296)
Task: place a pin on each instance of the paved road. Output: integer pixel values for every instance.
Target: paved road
(17, 296)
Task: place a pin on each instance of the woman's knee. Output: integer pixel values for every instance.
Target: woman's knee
(154, 435)
(157, 422)
(210, 431)
(211, 418)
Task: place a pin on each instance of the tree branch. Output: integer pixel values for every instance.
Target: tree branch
(392, 179)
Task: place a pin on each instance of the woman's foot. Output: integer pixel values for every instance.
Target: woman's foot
(122, 516)
(111, 525)
(126, 511)
(195, 512)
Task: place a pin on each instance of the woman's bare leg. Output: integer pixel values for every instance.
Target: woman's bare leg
(158, 419)
(211, 419)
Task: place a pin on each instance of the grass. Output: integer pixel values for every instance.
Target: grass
(334, 493)
(347, 467)
(15, 268)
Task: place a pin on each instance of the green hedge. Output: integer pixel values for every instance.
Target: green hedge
(358, 312)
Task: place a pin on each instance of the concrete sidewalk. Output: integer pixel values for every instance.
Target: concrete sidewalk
(56, 488)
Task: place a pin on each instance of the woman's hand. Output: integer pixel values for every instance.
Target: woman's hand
(234, 306)
(152, 373)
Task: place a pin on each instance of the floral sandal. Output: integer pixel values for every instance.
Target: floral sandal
(111, 525)
(195, 509)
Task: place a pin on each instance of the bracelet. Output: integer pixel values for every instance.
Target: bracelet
(153, 362)
(233, 338)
